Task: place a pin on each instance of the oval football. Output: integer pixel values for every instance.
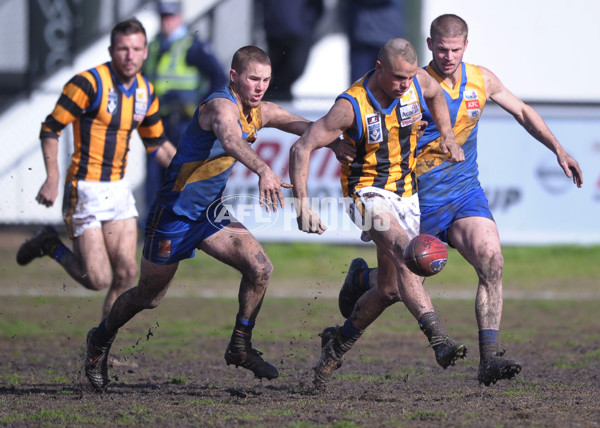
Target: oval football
(426, 255)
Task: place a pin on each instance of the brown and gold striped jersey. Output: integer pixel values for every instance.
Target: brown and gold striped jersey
(104, 113)
(385, 139)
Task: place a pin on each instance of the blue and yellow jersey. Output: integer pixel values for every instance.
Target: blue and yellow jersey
(441, 181)
(385, 140)
(199, 171)
(104, 114)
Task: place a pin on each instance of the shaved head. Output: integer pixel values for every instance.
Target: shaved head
(395, 48)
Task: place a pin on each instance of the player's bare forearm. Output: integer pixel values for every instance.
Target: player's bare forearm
(224, 123)
(296, 125)
(299, 158)
(50, 153)
(165, 154)
(269, 184)
(308, 220)
(277, 117)
(441, 117)
(49, 190)
(538, 129)
(439, 111)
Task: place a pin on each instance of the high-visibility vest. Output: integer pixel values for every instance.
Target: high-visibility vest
(169, 71)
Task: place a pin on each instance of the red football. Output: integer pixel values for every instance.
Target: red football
(425, 255)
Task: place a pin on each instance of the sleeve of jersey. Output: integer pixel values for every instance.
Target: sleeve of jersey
(75, 98)
(356, 136)
(151, 129)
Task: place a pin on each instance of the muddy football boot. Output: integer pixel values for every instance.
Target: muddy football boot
(495, 367)
(351, 291)
(251, 359)
(329, 360)
(96, 362)
(447, 350)
(38, 245)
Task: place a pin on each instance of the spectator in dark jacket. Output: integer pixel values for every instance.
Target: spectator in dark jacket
(289, 27)
(370, 24)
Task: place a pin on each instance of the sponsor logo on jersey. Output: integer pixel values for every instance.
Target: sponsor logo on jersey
(470, 94)
(374, 132)
(473, 114)
(473, 107)
(474, 104)
(410, 110)
(409, 97)
(411, 120)
(141, 104)
(113, 101)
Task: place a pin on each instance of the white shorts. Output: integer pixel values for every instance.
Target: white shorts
(372, 201)
(87, 204)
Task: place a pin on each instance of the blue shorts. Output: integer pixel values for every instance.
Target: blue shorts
(436, 221)
(170, 238)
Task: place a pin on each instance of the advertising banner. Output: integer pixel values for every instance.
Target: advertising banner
(532, 200)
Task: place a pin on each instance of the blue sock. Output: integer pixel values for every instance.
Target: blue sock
(488, 343)
(349, 331)
(241, 323)
(59, 252)
(242, 332)
(488, 337)
(346, 338)
(362, 278)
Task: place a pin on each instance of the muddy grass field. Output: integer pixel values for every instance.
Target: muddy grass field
(176, 374)
(390, 378)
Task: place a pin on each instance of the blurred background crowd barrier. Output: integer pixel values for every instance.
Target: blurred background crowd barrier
(45, 42)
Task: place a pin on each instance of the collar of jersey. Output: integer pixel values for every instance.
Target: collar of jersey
(127, 92)
(374, 102)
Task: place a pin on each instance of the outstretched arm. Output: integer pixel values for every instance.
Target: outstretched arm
(221, 116)
(275, 116)
(529, 119)
(319, 135)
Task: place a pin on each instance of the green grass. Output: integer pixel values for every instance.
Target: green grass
(312, 264)
(529, 264)
(425, 415)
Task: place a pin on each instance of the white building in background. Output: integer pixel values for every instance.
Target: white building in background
(543, 50)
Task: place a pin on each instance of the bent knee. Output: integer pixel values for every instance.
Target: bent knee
(491, 268)
(389, 297)
(260, 273)
(96, 280)
(152, 303)
(264, 272)
(126, 272)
